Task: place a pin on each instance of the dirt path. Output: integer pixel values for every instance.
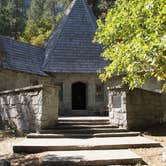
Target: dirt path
(6, 145)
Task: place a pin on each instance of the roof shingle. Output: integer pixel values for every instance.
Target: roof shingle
(21, 56)
(70, 48)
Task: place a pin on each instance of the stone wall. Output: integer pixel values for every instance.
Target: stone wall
(135, 109)
(12, 79)
(30, 108)
(163, 102)
(144, 109)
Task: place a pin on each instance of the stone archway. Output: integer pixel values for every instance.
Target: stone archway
(79, 96)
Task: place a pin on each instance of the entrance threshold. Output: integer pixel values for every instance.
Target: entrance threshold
(81, 113)
(82, 118)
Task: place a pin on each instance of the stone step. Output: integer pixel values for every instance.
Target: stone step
(91, 158)
(120, 134)
(31, 145)
(75, 126)
(82, 130)
(83, 120)
(82, 123)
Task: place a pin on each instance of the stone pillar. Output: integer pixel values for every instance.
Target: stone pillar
(91, 95)
(50, 106)
(67, 98)
(117, 107)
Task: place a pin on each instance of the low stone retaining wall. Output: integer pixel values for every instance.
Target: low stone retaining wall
(30, 108)
(135, 109)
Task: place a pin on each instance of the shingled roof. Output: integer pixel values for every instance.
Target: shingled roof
(68, 50)
(21, 56)
(70, 47)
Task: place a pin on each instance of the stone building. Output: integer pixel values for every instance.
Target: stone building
(69, 59)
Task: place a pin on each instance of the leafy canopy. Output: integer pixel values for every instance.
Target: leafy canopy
(12, 17)
(42, 19)
(100, 7)
(134, 39)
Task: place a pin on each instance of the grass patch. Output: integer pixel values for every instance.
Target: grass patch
(6, 133)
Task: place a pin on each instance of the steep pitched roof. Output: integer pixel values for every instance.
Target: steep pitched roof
(70, 47)
(21, 56)
(68, 50)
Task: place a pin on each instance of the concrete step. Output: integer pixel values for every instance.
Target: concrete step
(82, 130)
(120, 134)
(90, 120)
(31, 145)
(75, 126)
(82, 123)
(90, 158)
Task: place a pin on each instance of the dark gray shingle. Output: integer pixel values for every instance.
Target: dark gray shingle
(70, 48)
(21, 56)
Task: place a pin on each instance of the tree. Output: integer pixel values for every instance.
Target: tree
(12, 17)
(4, 21)
(43, 17)
(38, 32)
(100, 7)
(41, 21)
(36, 10)
(134, 39)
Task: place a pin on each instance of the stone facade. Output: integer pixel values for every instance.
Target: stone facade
(29, 109)
(117, 107)
(135, 109)
(12, 79)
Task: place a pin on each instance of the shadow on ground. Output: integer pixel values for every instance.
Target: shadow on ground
(157, 130)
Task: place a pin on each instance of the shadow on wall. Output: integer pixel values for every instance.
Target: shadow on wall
(156, 130)
(19, 111)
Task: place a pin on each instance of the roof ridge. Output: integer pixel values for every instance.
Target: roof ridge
(89, 12)
(56, 32)
(62, 21)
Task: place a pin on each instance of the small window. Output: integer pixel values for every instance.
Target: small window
(99, 92)
(34, 82)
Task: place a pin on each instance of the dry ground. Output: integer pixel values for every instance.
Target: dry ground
(151, 156)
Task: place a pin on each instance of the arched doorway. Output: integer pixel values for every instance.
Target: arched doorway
(79, 96)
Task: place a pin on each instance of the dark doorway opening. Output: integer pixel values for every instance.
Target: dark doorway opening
(79, 96)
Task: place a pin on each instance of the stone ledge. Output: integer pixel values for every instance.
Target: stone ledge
(128, 90)
(29, 88)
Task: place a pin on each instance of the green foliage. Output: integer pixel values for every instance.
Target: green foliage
(12, 17)
(100, 7)
(4, 21)
(41, 21)
(36, 10)
(42, 18)
(36, 33)
(134, 39)
(37, 24)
